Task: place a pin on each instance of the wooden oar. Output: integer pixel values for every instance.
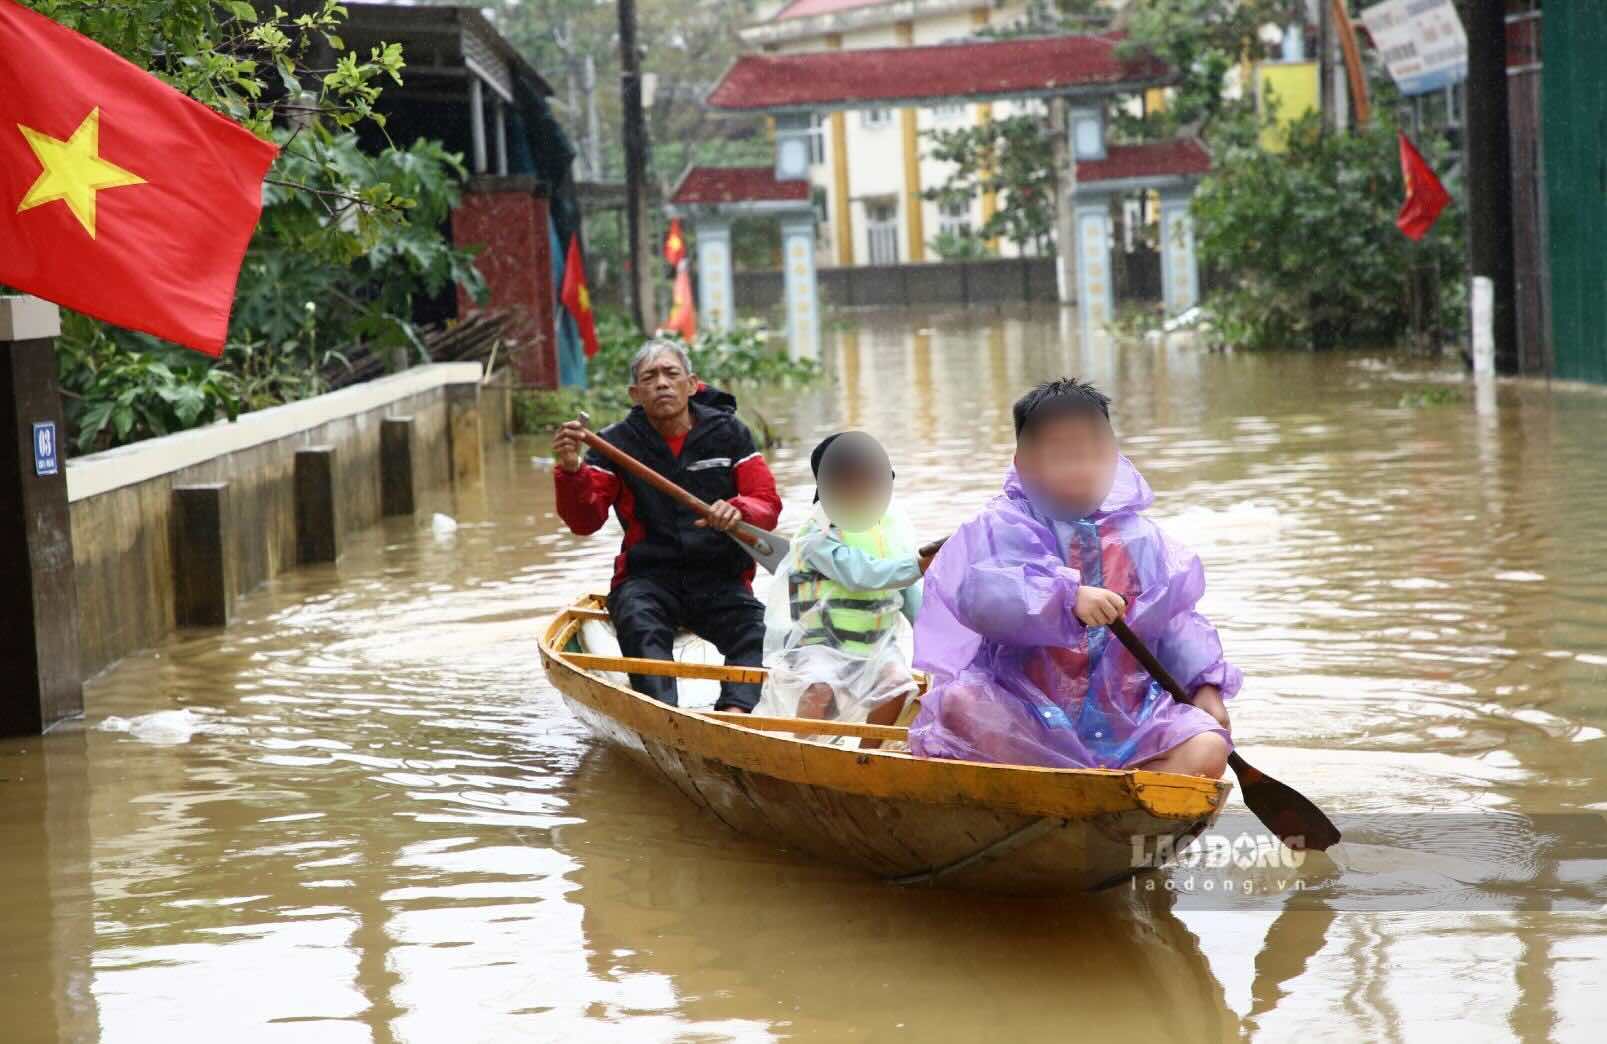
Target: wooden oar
(768, 549)
(1285, 811)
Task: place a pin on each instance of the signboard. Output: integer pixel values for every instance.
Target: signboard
(45, 457)
(1421, 41)
(1289, 89)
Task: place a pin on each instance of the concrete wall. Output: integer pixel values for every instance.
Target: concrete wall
(121, 501)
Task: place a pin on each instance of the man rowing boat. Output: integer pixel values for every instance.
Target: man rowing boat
(674, 569)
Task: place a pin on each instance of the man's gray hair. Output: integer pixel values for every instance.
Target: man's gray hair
(657, 346)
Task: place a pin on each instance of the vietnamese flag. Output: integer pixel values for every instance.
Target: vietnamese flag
(577, 298)
(119, 197)
(1425, 196)
(674, 243)
(683, 317)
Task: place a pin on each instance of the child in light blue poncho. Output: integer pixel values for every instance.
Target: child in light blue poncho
(836, 617)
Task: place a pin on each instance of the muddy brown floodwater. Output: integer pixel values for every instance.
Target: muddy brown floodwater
(362, 814)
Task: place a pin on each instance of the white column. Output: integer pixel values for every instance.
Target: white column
(803, 299)
(716, 295)
(1180, 272)
(477, 123)
(1096, 298)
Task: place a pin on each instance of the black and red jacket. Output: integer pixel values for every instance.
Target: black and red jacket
(718, 461)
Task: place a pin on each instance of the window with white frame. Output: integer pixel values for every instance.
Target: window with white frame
(954, 218)
(881, 231)
(949, 112)
(817, 139)
(875, 119)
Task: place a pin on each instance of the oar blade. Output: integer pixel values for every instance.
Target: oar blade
(768, 549)
(1284, 810)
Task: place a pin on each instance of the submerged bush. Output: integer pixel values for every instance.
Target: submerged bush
(1308, 242)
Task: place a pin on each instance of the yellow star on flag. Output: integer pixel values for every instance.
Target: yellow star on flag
(73, 171)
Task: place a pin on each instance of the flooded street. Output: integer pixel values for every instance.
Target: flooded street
(362, 813)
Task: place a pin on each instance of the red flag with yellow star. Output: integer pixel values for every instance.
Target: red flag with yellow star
(577, 298)
(119, 197)
(1425, 196)
(674, 243)
(683, 317)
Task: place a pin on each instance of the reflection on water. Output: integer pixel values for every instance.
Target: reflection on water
(362, 814)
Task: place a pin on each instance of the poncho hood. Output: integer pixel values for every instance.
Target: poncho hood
(1128, 492)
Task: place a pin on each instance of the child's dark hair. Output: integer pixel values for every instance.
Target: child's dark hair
(1053, 400)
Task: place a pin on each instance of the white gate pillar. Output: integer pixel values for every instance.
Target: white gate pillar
(1180, 273)
(803, 298)
(1096, 297)
(716, 292)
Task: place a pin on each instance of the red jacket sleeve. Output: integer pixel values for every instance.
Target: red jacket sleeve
(756, 497)
(585, 496)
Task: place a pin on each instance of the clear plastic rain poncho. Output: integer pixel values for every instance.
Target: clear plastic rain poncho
(1018, 679)
(837, 621)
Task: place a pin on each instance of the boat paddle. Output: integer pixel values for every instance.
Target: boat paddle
(768, 549)
(1286, 812)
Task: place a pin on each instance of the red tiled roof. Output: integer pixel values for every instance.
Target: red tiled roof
(1156, 159)
(978, 68)
(738, 185)
(810, 8)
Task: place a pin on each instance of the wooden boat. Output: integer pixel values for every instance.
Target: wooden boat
(961, 824)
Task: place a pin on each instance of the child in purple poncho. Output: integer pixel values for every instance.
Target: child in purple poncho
(1014, 626)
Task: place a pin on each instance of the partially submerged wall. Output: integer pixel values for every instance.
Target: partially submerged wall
(132, 556)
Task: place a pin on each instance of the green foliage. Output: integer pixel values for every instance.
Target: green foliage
(1308, 238)
(1440, 395)
(227, 55)
(952, 246)
(1013, 157)
(1202, 40)
(310, 285)
(118, 386)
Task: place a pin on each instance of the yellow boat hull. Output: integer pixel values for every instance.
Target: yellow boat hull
(968, 825)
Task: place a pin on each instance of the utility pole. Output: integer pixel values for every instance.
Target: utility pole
(1325, 66)
(1488, 158)
(635, 134)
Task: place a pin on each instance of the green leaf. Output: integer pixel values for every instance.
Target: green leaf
(242, 10)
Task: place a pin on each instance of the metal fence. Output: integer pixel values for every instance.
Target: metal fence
(1575, 98)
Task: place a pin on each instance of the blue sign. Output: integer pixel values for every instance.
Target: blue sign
(46, 461)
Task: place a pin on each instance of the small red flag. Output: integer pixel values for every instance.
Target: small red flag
(1425, 196)
(674, 243)
(577, 298)
(120, 197)
(683, 318)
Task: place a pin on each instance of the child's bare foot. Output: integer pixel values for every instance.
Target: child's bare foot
(816, 701)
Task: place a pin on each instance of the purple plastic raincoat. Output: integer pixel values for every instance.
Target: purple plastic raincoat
(1017, 678)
